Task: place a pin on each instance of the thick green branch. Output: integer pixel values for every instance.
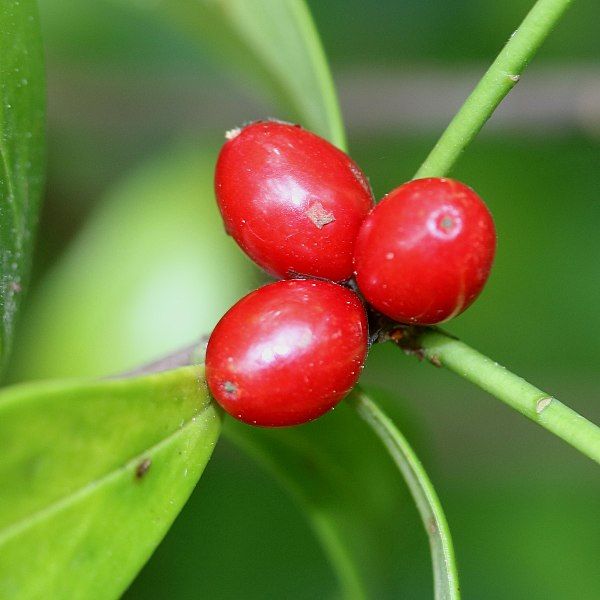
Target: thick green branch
(535, 404)
(500, 78)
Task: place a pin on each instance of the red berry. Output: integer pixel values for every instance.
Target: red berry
(424, 253)
(291, 200)
(287, 352)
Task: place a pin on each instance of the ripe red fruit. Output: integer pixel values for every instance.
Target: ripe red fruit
(287, 352)
(424, 253)
(291, 200)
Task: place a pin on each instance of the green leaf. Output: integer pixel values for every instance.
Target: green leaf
(92, 476)
(445, 573)
(22, 119)
(276, 43)
(348, 490)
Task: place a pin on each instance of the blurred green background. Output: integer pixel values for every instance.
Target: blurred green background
(132, 261)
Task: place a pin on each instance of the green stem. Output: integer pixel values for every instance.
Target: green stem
(499, 79)
(532, 402)
(445, 574)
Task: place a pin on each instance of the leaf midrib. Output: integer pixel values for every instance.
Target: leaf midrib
(9, 183)
(82, 492)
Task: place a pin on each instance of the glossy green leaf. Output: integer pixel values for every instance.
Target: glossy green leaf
(153, 265)
(274, 42)
(348, 489)
(92, 474)
(22, 117)
(445, 573)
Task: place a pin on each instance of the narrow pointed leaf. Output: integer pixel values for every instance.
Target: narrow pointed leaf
(22, 140)
(445, 573)
(92, 476)
(346, 488)
(270, 42)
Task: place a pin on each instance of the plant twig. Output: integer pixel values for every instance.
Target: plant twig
(443, 350)
(182, 357)
(499, 79)
(428, 504)
(440, 348)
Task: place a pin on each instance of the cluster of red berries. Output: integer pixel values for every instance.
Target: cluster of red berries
(304, 211)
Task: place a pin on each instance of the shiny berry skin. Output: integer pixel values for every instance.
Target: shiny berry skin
(291, 200)
(425, 252)
(287, 352)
